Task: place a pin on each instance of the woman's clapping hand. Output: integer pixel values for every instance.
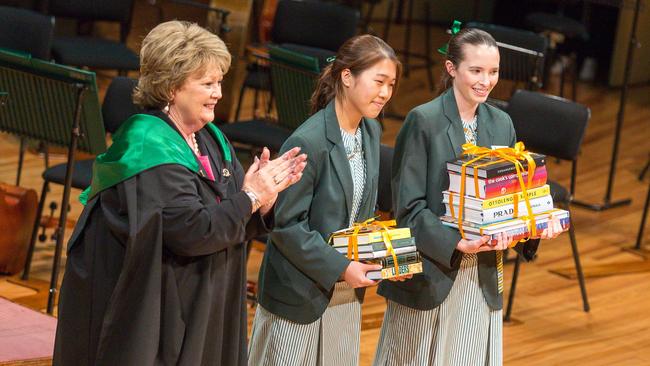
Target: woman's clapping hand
(266, 178)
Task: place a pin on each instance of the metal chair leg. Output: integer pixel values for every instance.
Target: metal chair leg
(46, 154)
(21, 158)
(644, 170)
(239, 101)
(574, 77)
(269, 107)
(255, 101)
(562, 77)
(513, 288)
(37, 224)
(581, 277)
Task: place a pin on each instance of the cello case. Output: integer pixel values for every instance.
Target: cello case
(17, 215)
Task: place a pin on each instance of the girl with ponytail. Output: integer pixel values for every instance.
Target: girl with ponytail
(309, 295)
(451, 314)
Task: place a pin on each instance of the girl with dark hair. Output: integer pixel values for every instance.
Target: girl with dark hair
(451, 314)
(309, 310)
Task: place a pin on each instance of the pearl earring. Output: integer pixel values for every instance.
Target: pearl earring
(166, 108)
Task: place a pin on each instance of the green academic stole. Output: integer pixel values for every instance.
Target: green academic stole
(143, 142)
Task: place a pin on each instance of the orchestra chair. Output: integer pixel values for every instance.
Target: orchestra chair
(556, 127)
(30, 32)
(293, 78)
(313, 28)
(86, 50)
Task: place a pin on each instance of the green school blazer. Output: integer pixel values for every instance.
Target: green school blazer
(431, 135)
(299, 268)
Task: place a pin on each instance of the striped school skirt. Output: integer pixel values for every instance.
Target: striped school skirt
(333, 339)
(462, 331)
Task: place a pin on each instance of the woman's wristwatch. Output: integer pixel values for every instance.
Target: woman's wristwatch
(255, 202)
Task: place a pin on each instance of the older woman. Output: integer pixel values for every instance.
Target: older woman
(156, 265)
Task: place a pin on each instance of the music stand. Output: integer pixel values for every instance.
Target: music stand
(607, 202)
(56, 104)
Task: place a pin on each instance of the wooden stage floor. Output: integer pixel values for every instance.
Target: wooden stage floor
(549, 326)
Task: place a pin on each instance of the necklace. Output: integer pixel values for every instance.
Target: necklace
(194, 145)
(191, 141)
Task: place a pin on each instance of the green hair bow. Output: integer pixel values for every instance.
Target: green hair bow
(455, 28)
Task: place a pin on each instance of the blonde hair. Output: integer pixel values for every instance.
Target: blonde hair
(170, 53)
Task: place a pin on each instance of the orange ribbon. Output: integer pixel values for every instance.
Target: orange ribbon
(372, 225)
(515, 155)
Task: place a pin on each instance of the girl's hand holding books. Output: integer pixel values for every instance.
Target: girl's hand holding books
(553, 230)
(481, 244)
(355, 274)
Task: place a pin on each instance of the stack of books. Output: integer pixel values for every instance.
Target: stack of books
(371, 248)
(494, 201)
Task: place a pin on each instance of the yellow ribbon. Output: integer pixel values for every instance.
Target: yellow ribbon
(372, 224)
(514, 155)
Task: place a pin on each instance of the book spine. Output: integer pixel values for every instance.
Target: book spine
(511, 186)
(401, 259)
(374, 247)
(397, 243)
(497, 188)
(372, 237)
(484, 204)
(523, 232)
(532, 194)
(540, 170)
(504, 225)
(412, 268)
(374, 255)
(494, 170)
(506, 212)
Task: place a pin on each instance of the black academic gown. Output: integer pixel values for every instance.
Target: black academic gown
(156, 270)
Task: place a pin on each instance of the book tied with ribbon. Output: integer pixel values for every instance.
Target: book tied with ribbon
(501, 190)
(379, 242)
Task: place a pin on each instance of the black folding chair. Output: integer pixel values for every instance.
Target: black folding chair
(85, 50)
(313, 28)
(27, 31)
(293, 80)
(30, 32)
(555, 127)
